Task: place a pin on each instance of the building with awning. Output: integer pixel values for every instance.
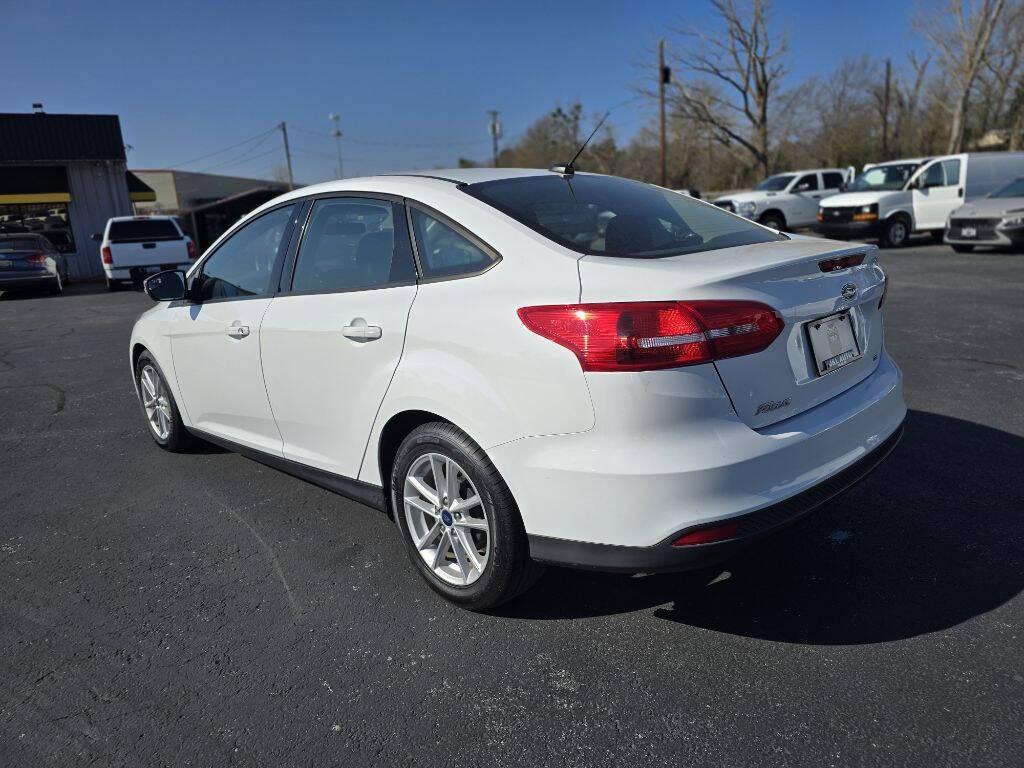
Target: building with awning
(63, 176)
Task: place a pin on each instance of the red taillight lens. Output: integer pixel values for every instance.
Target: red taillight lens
(106, 255)
(191, 250)
(36, 258)
(708, 535)
(845, 262)
(651, 335)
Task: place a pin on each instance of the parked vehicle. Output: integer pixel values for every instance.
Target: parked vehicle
(134, 247)
(996, 219)
(787, 200)
(516, 382)
(875, 207)
(31, 261)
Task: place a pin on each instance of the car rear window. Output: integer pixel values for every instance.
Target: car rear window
(610, 216)
(20, 244)
(143, 230)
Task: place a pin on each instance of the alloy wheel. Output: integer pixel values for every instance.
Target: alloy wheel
(446, 519)
(156, 402)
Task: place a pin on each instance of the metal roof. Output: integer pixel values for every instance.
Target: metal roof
(40, 137)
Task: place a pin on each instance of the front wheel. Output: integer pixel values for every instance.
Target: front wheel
(773, 221)
(895, 234)
(161, 412)
(461, 526)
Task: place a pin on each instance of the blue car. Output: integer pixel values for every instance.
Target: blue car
(29, 260)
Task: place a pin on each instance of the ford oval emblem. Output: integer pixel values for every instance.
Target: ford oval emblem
(849, 291)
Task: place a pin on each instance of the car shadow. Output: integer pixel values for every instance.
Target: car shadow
(933, 538)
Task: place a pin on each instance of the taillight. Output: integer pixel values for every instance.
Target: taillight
(106, 255)
(36, 258)
(191, 249)
(652, 335)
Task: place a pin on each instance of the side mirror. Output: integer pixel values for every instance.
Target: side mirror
(166, 286)
(98, 237)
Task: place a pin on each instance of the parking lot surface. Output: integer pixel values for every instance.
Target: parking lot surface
(162, 609)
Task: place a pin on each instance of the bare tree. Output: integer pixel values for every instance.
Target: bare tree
(735, 76)
(1002, 78)
(961, 33)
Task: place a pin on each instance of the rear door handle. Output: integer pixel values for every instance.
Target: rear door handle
(238, 331)
(362, 332)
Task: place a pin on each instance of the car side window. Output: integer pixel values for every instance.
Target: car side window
(809, 182)
(351, 244)
(833, 180)
(933, 176)
(243, 265)
(952, 171)
(443, 251)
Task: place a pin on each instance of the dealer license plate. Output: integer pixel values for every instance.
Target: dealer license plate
(833, 342)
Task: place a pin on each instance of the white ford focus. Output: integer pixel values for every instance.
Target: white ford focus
(530, 367)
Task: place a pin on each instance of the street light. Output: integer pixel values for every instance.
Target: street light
(336, 133)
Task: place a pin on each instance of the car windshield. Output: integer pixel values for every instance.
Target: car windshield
(776, 183)
(609, 216)
(138, 230)
(1014, 189)
(883, 177)
(20, 244)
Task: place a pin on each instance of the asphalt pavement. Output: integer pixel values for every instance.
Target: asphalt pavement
(205, 610)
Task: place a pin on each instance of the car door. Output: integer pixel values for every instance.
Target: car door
(803, 201)
(215, 336)
(332, 340)
(936, 191)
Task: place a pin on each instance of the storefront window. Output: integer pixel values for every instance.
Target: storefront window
(48, 219)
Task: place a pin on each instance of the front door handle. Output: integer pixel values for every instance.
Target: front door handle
(238, 331)
(362, 332)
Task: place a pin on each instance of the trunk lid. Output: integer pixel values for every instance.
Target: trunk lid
(782, 380)
(17, 261)
(149, 253)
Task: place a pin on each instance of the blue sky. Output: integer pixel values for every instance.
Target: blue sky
(411, 80)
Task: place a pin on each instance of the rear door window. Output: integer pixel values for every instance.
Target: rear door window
(444, 251)
(352, 244)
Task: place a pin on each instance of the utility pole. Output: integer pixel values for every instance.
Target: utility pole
(495, 130)
(336, 133)
(664, 78)
(885, 109)
(287, 155)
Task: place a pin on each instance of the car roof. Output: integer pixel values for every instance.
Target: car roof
(142, 217)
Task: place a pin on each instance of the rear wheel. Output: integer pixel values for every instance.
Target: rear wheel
(113, 285)
(895, 233)
(962, 248)
(461, 526)
(161, 412)
(57, 287)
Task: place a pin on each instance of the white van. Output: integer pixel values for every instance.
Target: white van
(787, 200)
(890, 201)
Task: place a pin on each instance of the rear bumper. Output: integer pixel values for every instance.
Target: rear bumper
(631, 484)
(751, 527)
(852, 230)
(27, 280)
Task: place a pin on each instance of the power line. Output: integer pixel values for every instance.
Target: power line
(241, 160)
(222, 151)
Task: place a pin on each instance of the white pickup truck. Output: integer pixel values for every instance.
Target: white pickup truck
(787, 200)
(134, 247)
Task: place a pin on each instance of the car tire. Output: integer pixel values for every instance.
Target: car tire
(436, 540)
(962, 248)
(773, 221)
(113, 285)
(162, 419)
(895, 233)
(57, 287)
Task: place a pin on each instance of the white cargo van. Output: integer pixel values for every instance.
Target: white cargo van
(890, 201)
(134, 247)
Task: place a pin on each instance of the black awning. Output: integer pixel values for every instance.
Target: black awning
(33, 138)
(34, 184)
(138, 190)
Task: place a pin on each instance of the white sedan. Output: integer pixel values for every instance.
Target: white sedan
(527, 367)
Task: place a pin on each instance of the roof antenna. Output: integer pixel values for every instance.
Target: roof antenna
(570, 169)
